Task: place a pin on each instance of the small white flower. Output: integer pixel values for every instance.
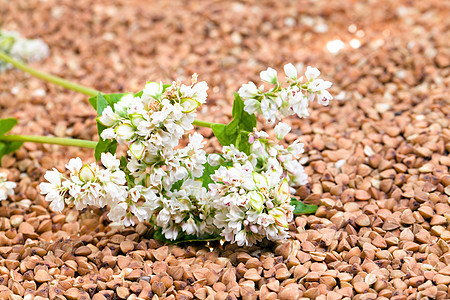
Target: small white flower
(137, 149)
(324, 97)
(291, 71)
(251, 106)
(108, 134)
(269, 110)
(318, 85)
(117, 212)
(200, 93)
(125, 131)
(52, 189)
(312, 73)
(296, 148)
(110, 161)
(108, 117)
(125, 103)
(281, 129)
(74, 166)
(269, 75)
(153, 90)
(190, 227)
(215, 159)
(248, 90)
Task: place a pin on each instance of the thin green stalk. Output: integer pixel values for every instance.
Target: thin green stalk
(49, 140)
(47, 77)
(203, 123)
(67, 84)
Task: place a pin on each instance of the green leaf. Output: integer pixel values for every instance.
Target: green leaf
(242, 143)
(103, 146)
(177, 185)
(223, 135)
(207, 172)
(101, 102)
(183, 238)
(7, 147)
(238, 107)
(93, 102)
(301, 208)
(236, 132)
(232, 128)
(246, 121)
(6, 125)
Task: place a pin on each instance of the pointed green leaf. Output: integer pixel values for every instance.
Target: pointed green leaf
(103, 146)
(6, 125)
(7, 147)
(238, 107)
(221, 135)
(301, 208)
(93, 102)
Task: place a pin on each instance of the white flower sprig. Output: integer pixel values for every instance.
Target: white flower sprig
(29, 50)
(244, 197)
(250, 205)
(86, 185)
(6, 187)
(280, 101)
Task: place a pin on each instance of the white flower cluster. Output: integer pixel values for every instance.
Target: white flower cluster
(272, 155)
(162, 188)
(250, 205)
(280, 101)
(155, 120)
(21, 49)
(6, 187)
(86, 185)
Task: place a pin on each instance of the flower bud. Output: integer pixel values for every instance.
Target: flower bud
(253, 228)
(125, 131)
(137, 149)
(279, 217)
(153, 89)
(291, 71)
(86, 173)
(282, 192)
(108, 117)
(281, 129)
(270, 76)
(189, 105)
(256, 200)
(136, 119)
(260, 181)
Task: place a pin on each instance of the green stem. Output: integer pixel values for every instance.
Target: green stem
(47, 77)
(67, 84)
(203, 123)
(49, 140)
